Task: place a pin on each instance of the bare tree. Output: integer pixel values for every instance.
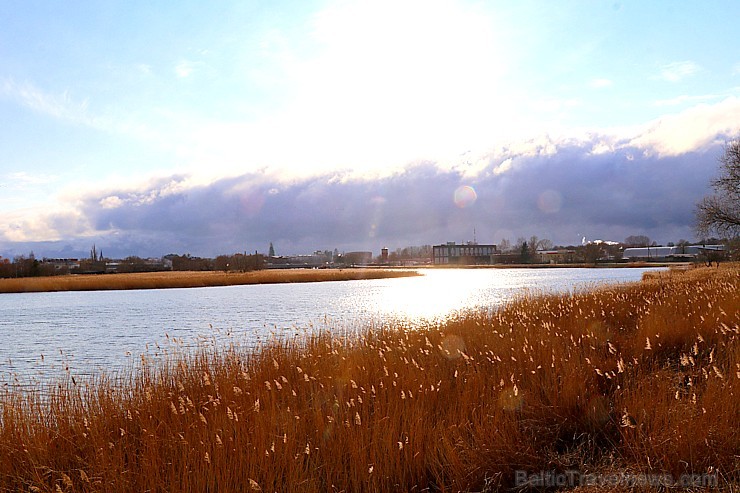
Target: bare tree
(636, 241)
(545, 244)
(592, 252)
(536, 243)
(720, 212)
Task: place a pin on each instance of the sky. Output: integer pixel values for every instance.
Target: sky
(150, 128)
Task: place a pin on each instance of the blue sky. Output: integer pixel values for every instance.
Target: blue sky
(117, 109)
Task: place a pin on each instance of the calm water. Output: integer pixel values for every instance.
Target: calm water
(89, 331)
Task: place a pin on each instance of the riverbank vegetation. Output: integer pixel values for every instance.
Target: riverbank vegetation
(176, 279)
(623, 380)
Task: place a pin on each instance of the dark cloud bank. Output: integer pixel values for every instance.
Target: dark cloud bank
(563, 196)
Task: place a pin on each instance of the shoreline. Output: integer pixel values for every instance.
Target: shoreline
(202, 279)
(189, 279)
(612, 265)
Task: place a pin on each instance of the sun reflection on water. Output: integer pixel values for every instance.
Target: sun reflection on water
(443, 293)
(435, 296)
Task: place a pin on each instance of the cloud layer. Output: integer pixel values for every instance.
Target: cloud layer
(561, 192)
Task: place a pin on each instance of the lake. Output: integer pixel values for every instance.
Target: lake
(42, 334)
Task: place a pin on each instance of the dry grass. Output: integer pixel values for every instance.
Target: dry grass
(641, 378)
(160, 280)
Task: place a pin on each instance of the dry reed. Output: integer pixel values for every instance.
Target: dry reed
(189, 279)
(632, 378)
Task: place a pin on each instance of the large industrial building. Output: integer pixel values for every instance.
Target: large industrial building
(687, 252)
(465, 254)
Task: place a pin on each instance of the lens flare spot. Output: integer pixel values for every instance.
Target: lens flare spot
(465, 196)
(549, 201)
(452, 346)
(251, 203)
(511, 399)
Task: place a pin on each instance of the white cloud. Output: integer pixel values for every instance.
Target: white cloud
(505, 166)
(184, 68)
(601, 147)
(600, 83)
(679, 100)
(144, 69)
(111, 202)
(39, 224)
(677, 71)
(555, 105)
(62, 106)
(553, 192)
(23, 179)
(522, 179)
(691, 129)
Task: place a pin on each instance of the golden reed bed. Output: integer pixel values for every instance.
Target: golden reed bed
(624, 385)
(160, 280)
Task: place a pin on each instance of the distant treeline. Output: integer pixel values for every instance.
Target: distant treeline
(523, 251)
(30, 266)
(238, 262)
(22, 266)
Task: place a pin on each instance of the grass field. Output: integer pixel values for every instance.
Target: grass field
(159, 280)
(639, 379)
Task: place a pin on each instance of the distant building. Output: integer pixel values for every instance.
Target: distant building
(561, 256)
(156, 264)
(465, 254)
(313, 261)
(688, 252)
(62, 264)
(384, 255)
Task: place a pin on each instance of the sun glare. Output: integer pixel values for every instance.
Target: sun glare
(436, 295)
(423, 81)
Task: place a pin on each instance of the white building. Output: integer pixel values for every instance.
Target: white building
(669, 253)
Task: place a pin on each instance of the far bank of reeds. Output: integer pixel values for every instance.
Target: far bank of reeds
(188, 279)
(635, 381)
